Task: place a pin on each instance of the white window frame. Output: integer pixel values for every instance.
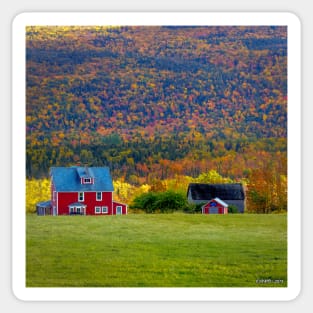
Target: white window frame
(97, 209)
(81, 196)
(97, 198)
(87, 180)
(105, 210)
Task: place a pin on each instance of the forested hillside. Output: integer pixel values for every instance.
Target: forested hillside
(157, 102)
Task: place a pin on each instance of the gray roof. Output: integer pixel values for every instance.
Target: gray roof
(44, 204)
(210, 191)
(68, 178)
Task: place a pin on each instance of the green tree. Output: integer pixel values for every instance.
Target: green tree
(145, 202)
(170, 201)
(164, 202)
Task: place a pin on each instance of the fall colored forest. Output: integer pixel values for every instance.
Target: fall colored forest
(159, 104)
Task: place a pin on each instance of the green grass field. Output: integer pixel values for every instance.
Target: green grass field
(157, 250)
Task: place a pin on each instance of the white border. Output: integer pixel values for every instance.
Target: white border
(156, 294)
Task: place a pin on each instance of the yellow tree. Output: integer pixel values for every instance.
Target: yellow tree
(267, 189)
(37, 190)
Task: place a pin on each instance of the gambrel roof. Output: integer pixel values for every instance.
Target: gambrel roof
(69, 179)
(207, 192)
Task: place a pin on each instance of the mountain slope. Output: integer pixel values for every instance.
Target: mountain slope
(121, 95)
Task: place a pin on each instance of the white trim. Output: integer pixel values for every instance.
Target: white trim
(87, 181)
(97, 207)
(117, 202)
(218, 200)
(97, 195)
(120, 207)
(79, 194)
(106, 211)
(73, 209)
(57, 204)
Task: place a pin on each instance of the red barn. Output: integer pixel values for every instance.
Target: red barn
(215, 206)
(82, 191)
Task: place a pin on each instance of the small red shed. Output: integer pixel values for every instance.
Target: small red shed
(215, 206)
(119, 208)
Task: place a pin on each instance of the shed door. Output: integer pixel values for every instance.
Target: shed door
(119, 209)
(213, 210)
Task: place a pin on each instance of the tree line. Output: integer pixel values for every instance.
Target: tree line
(266, 192)
(155, 103)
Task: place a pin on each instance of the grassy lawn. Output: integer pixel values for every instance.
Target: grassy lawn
(169, 250)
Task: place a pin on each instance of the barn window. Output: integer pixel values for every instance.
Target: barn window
(99, 196)
(105, 210)
(80, 196)
(87, 180)
(97, 209)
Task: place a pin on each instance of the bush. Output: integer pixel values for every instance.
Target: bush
(170, 201)
(232, 209)
(164, 202)
(145, 202)
(194, 208)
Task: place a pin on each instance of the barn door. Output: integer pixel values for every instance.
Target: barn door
(118, 210)
(213, 210)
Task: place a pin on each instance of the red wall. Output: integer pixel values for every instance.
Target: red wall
(66, 198)
(124, 207)
(206, 208)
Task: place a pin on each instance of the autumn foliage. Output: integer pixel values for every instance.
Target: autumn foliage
(158, 103)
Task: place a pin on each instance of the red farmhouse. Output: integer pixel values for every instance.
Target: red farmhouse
(215, 206)
(82, 191)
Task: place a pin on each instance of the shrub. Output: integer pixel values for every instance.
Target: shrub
(194, 208)
(145, 202)
(232, 209)
(170, 201)
(164, 202)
